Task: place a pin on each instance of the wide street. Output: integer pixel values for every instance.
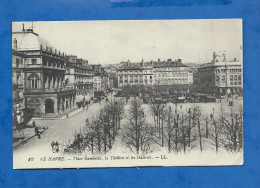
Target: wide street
(58, 130)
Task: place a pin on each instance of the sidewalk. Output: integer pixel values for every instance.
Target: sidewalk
(24, 135)
(63, 116)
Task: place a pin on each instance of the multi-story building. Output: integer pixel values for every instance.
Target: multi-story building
(79, 75)
(171, 73)
(18, 60)
(111, 71)
(44, 88)
(97, 82)
(154, 73)
(135, 74)
(100, 78)
(110, 80)
(221, 75)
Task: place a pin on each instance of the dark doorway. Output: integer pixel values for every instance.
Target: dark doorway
(49, 106)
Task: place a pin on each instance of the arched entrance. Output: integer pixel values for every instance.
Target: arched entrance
(49, 106)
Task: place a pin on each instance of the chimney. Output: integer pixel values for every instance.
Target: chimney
(15, 44)
(142, 62)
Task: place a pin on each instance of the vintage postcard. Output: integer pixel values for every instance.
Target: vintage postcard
(130, 93)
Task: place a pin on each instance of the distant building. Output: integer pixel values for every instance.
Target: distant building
(135, 74)
(43, 75)
(222, 75)
(97, 82)
(154, 73)
(100, 78)
(171, 73)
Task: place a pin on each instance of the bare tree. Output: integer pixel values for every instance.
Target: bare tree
(232, 126)
(215, 130)
(138, 135)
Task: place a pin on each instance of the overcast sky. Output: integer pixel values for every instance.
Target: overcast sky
(113, 41)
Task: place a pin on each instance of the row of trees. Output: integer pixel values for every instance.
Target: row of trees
(100, 132)
(183, 130)
(172, 127)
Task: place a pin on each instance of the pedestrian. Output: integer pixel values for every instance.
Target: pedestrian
(57, 146)
(53, 146)
(67, 115)
(36, 131)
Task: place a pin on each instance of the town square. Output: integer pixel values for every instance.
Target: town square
(148, 100)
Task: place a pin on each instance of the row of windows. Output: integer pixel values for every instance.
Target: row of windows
(172, 79)
(235, 77)
(166, 82)
(135, 72)
(135, 77)
(235, 70)
(82, 78)
(235, 83)
(83, 71)
(173, 74)
(171, 68)
(49, 63)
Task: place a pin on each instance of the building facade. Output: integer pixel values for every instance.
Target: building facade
(135, 74)
(79, 76)
(18, 61)
(43, 75)
(171, 73)
(222, 75)
(154, 73)
(100, 78)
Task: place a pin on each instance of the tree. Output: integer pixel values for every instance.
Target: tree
(232, 130)
(215, 130)
(138, 135)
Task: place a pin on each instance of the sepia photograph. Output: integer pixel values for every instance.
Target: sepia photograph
(127, 93)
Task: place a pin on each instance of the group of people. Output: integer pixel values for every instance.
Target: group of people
(55, 147)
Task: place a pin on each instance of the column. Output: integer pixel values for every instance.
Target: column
(63, 101)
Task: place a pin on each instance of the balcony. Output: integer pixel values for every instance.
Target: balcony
(38, 66)
(61, 89)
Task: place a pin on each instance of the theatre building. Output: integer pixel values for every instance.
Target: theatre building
(44, 88)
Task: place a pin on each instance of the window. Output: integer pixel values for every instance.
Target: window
(17, 62)
(34, 81)
(33, 61)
